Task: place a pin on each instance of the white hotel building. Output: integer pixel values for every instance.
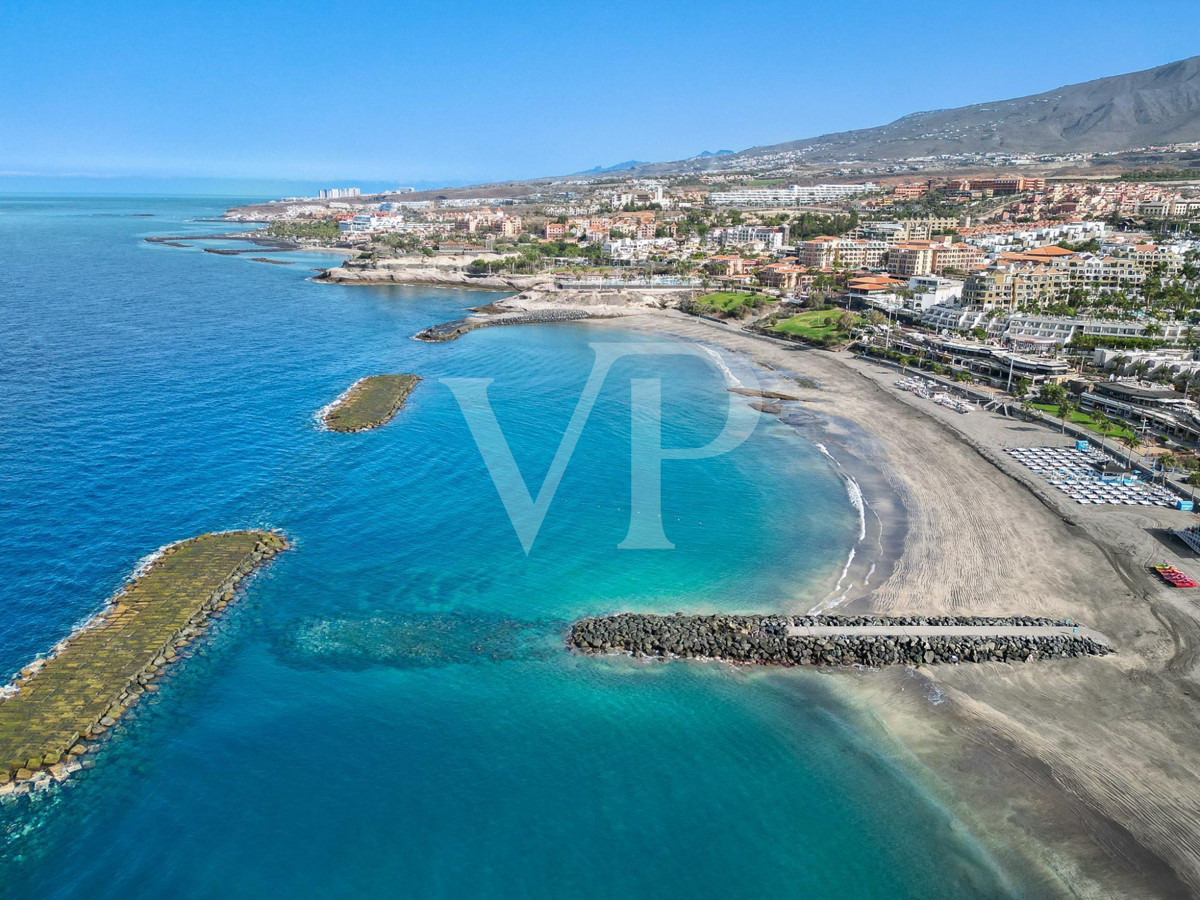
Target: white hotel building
(792, 195)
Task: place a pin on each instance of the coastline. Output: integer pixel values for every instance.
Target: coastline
(1027, 723)
(1001, 713)
(1047, 767)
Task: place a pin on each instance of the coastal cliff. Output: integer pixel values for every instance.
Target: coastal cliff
(540, 306)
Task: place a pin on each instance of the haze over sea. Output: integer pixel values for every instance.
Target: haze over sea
(390, 710)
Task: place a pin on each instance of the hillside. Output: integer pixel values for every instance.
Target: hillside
(1152, 107)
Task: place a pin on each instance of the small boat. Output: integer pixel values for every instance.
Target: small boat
(1174, 577)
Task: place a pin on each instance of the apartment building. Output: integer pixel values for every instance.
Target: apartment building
(1014, 286)
(911, 191)
(1062, 328)
(1169, 208)
(825, 251)
(904, 230)
(792, 195)
(772, 238)
(786, 277)
(818, 253)
(857, 254)
(510, 226)
(960, 257)
(909, 259)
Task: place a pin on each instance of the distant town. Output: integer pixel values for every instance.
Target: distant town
(1081, 297)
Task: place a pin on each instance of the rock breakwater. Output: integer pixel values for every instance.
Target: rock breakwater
(84, 685)
(368, 403)
(451, 331)
(767, 640)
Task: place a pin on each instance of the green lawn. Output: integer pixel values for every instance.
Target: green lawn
(1078, 417)
(728, 301)
(811, 325)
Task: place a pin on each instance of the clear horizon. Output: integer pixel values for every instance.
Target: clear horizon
(275, 98)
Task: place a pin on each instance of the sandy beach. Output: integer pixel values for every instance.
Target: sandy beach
(1082, 775)
(1088, 768)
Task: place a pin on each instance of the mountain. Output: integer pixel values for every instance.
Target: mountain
(1122, 112)
(705, 154)
(619, 167)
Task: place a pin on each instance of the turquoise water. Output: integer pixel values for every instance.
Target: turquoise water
(390, 709)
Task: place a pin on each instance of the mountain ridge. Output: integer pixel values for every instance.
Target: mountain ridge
(1150, 107)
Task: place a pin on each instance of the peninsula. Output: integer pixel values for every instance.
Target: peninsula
(84, 685)
(368, 403)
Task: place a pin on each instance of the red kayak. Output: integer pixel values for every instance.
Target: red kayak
(1174, 577)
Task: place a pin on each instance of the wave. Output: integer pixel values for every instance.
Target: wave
(859, 503)
(319, 415)
(731, 380)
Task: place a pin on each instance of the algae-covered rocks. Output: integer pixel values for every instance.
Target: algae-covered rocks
(369, 403)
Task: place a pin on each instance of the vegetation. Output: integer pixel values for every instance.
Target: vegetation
(803, 226)
(305, 229)
(529, 257)
(1096, 422)
(1160, 175)
(405, 243)
(821, 327)
(729, 304)
(1092, 341)
(370, 402)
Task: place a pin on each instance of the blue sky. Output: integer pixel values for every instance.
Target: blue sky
(378, 93)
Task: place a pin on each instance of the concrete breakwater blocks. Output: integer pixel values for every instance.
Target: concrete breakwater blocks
(839, 640)
(369, 403)
(86, 683)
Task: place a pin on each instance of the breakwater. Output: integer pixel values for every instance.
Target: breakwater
(84, 685)
(450, 331)
(842, 641)
(368, 403)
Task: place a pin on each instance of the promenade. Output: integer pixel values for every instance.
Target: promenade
(948, 631)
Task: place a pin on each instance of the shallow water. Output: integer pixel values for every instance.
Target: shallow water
(390, 709)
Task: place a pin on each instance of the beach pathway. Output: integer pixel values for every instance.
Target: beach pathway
(947, 631)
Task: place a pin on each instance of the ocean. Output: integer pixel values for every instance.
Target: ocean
(390, 709)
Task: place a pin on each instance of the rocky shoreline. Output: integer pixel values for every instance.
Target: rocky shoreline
(764, 640)
(376, 272)
(58, 706)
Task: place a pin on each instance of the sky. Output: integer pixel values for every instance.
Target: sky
(270, 96)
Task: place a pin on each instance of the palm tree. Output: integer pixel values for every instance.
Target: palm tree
(1065, 409)
(1167, 461)
(1101, 422)
(1133, 442)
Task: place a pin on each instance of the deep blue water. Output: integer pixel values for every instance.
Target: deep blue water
(390, 710)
